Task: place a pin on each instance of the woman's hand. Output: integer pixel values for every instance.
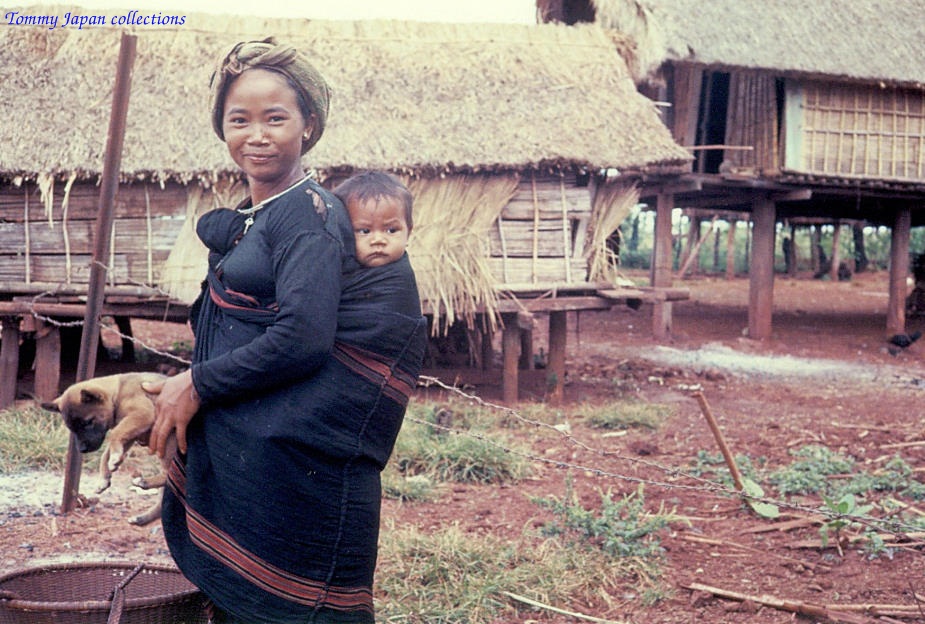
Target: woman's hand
(176, 404)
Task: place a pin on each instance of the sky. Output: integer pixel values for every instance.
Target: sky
(509, 11)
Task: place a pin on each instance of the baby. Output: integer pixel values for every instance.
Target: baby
(379, 206)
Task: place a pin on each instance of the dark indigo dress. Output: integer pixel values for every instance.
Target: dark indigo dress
(304, 363)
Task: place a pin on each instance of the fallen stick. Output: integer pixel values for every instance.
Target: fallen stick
(864, 427)
(890, 538)
(763, 553)
(897, 445)
(783, 527)
(882, 609)
(540, 605)
(791, 606)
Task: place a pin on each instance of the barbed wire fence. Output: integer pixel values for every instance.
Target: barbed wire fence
(671, 474)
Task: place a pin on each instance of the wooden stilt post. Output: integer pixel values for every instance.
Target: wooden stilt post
(510, 348)
(558, 323)
(488, 352)
(761, 270)
(836, 252)
(731, 250)
(661, 263)
(9, 360)
(899, 271)
(86, 362)
(47, 360)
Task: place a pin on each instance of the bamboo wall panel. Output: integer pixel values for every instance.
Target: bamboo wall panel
(860, 131)
(129, 235)
(519, 239)
(47, 237)
(539, 237)
(84, 202)
(752, 121)
(50, 269)
(522, 270)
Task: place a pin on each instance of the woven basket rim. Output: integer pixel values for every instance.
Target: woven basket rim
(93, 605)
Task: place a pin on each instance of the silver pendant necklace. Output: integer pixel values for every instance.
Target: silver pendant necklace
(249, 221)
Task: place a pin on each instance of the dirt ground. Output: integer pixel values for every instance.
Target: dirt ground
(825, 377)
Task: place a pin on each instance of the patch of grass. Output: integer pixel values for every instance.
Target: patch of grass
(452, 577)
(32, 438)
(809, 474)
(429, 445)
(618, 415)
(619, 528)
(713, 466)
(397, 486)
(895, 476)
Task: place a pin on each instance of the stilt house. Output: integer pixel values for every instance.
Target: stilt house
(792, 109)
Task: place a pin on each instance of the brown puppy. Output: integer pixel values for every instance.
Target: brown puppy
(119, 405)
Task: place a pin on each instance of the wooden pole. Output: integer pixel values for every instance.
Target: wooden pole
(661, 263)
(89, 342)
(899, 270)
(731, 250)
(558, 324)
(510, 353)
(836, 252)
(9, 360)
(761, 271)
(720, 441)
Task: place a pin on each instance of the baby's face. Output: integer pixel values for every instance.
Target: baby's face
(380, 230)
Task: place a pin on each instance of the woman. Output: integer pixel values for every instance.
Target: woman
(296, 392)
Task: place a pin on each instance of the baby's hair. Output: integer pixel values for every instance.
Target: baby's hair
(375, 186)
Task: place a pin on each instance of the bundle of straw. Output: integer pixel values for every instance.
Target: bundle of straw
(610, 207)
(449, 247)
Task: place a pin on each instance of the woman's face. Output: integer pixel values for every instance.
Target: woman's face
(264, 129)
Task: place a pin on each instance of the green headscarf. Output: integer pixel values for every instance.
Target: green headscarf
(311, 89)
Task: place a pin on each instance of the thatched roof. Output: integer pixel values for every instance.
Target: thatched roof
(870, 40)
(408, 97)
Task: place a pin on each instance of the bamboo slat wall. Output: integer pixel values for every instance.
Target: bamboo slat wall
(47, 238)
(859, 131)
(540, 235)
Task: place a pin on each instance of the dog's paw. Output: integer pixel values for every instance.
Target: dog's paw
(141, 482)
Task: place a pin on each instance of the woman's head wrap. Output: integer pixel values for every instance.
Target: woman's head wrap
(312, 91)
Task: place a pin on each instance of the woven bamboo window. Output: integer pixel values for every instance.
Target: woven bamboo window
(856, 131)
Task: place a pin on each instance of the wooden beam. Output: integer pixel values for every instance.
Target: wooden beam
(803, 194)
(675, 187)
(761, 271)
(161, 310)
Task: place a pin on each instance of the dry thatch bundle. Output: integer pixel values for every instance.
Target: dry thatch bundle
(612, 203)
(449, 245)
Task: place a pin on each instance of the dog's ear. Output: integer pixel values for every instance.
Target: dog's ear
(52, 406)
(91, 395)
